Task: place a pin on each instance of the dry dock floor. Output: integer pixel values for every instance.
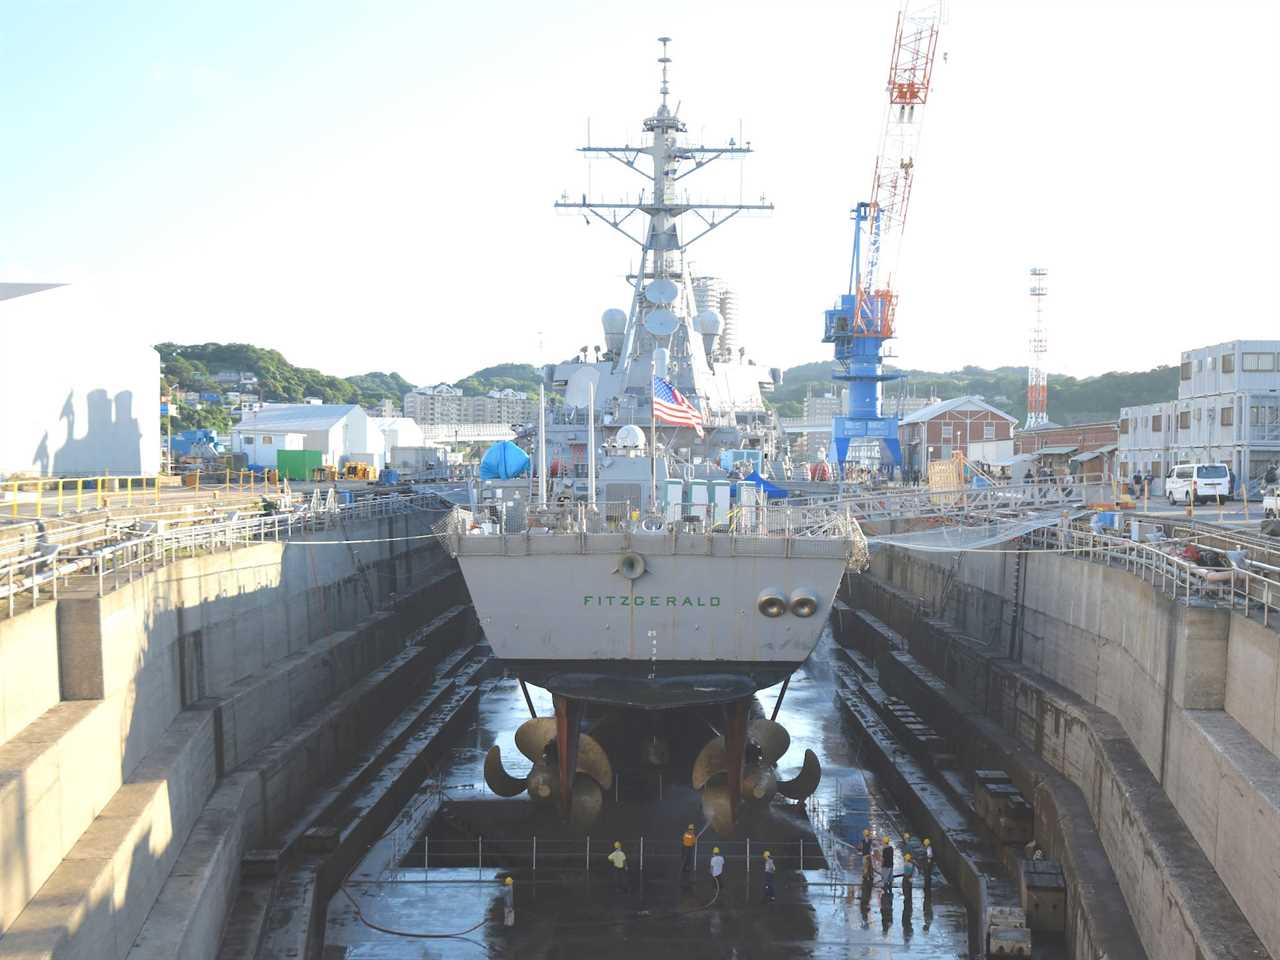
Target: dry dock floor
(570, 912)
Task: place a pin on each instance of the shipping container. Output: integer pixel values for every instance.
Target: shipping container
(298, 464)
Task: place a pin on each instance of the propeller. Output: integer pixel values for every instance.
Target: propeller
(594, 772)
(771, 737)
(805, 782)
(759, 779)
(496, 776)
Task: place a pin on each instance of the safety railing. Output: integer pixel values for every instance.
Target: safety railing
(1238, 587)
(40, 497)
(121, 553)
(515, 528)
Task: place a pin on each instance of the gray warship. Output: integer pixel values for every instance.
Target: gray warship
(646, 577)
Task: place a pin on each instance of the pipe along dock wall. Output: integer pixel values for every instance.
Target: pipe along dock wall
(161, 729)
(1135, 699)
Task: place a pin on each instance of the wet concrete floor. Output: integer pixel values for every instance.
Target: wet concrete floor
(569, 905)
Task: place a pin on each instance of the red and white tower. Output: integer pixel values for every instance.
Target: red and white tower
(1037, 379)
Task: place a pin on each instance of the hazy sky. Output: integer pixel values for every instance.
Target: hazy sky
(369, 186)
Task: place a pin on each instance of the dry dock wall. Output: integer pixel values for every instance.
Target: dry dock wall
(100, 789)
(1127, 693)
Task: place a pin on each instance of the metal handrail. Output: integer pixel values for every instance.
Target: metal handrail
(109, 560)
(1177, 577)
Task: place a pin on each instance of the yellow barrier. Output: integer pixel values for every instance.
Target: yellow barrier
(32, 497)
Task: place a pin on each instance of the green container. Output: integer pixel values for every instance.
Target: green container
(298, 464)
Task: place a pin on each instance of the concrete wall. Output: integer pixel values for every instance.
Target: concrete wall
(129, 663)
(1253, 680)
(1149, 689)
(28, 668)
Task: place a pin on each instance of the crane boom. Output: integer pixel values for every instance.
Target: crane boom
(864, 317)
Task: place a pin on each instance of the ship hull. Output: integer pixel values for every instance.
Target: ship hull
(689, 629)
(660, 685)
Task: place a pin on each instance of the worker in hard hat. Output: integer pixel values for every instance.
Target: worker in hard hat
(867, 842)
(717, 867)
(508, 902)
(618, 860)
(908, 871)
(886, 865)
(687, 842)
(927, 866)
(770, 868)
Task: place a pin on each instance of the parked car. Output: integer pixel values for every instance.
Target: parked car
(1209, 481)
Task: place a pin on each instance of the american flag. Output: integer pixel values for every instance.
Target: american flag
(670, 406)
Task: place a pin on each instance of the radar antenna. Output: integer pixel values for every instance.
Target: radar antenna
(662, 247)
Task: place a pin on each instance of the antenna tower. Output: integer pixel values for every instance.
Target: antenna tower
(1037, 380)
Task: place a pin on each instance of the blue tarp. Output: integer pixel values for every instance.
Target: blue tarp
(503, 461)
(771, 490)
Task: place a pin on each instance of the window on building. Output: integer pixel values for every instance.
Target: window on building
(1124, 427)
(946, 431)
(1212, 361)
(988, 431)
(1252, 362)
(1157, 423)
(266, 438)
(1155, 469)
(1197, 414)
(248, 440)
(1186, 370)
(1227, 413)
(1184, 420)
(1228, 363)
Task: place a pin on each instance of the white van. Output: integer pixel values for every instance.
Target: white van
(1212, 481)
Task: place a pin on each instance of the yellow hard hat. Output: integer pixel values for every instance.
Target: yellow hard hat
(886, 839)
(866, 833)
(926, 841)
(715, 849)
(766, 855)
(906, 836)
(906, 856)
(509, 881)
(617, 844)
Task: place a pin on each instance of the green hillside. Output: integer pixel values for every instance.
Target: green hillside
(193, 366)
(1071, 399)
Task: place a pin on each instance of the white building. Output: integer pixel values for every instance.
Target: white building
(339, 431)
(1227, 411)
(82, 394)
(443, 404)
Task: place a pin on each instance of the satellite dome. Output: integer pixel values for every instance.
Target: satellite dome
(708, 322)
(630, 437)
(614, 322)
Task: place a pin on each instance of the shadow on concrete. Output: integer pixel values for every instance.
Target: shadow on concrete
(112, 435)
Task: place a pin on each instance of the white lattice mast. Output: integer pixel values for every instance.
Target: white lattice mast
(1037, 379)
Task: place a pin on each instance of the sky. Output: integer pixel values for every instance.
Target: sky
(370, 186)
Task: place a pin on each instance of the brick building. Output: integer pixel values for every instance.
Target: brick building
(1079, 448)
(937, 431)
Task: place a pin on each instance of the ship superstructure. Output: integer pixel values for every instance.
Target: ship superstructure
(664, 328)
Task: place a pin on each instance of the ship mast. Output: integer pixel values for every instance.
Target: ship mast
(660, 243)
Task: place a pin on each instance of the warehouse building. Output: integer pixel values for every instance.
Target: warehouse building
(340, 432)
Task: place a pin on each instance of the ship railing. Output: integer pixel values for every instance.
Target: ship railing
(1218, 577)
(514, 529)
(99, 557)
